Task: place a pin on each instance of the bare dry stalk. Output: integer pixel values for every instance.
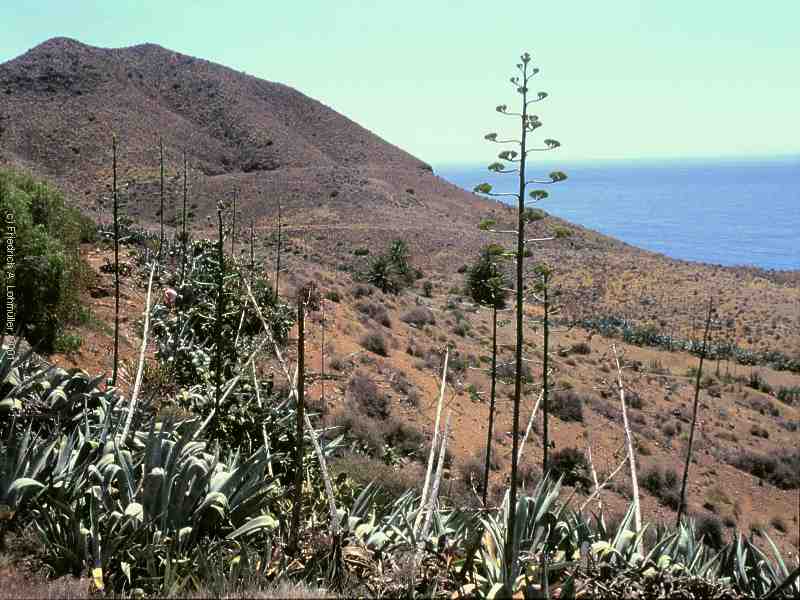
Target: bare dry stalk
(263, 426)
(434, 443)
(434, 496)
(598, 487)
(637, 515)
(137, 386)
(593, 471)
(530, 425)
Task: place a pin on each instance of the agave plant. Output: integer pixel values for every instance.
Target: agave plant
(22, 466)
(163, 495)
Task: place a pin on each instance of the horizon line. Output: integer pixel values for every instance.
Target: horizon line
(667, 158)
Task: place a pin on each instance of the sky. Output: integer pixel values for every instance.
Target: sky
(626, 80)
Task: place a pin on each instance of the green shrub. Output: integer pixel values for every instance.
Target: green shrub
(68, 343)
(333, 296)
(788, 395)
(49, 273)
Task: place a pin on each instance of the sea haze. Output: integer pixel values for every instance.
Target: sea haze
(726, 212)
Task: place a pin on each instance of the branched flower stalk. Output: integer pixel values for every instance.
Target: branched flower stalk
(518, 160)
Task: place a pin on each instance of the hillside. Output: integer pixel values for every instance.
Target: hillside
(343, 189)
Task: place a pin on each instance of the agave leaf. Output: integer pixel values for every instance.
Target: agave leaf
(256, 524)
(23, 483)
(135, 510)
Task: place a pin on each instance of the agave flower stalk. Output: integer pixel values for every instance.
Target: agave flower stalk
(682, 500)
(115, 367)
(518, 160)
(161, 190)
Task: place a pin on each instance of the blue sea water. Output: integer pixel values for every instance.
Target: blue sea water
(726, 212)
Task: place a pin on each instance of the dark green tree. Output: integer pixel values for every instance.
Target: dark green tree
(515, 162)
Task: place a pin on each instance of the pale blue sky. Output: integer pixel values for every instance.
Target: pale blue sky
(626, 79)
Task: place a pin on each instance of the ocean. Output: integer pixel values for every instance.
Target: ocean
(726, 212)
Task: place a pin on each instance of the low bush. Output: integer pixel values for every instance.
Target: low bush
(788, 395)
(376, 312)
(581, 348)
(365, 395)
(663, 484)
(782, 471)
(709, 528)
(506, 370)
(633, 400)
(376, 343)
(571, 464)
(364, 469)
(471, 470)
(362, 291)
(333, 296)
(419, 317)
(567, 406)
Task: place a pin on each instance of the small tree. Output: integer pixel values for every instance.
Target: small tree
(518, 159)
(487, 285)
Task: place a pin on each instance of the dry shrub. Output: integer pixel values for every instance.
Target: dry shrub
(782, 471)
(581, 348)
(419, 317)
(709, 527)
(376, 312)
(362, 291)
(375, 343)
(663, 484)
(393, 483)
(366, 397)
(567, 406)
(571, 464)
